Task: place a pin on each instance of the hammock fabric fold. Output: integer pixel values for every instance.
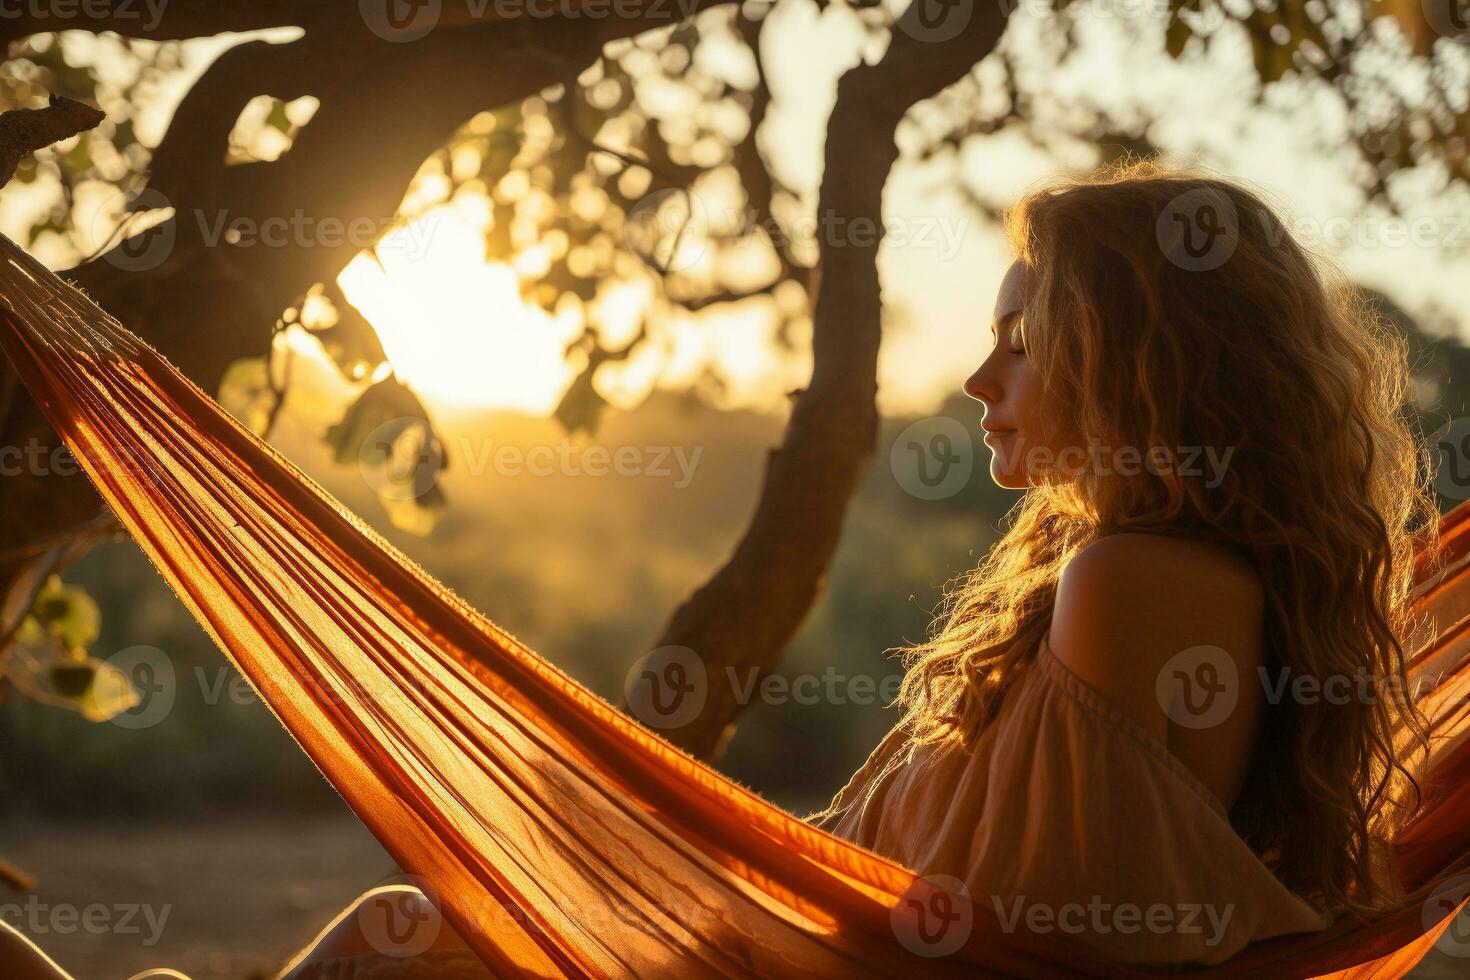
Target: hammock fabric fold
(557, 835)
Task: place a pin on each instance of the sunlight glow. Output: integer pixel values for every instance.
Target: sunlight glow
(452, 323)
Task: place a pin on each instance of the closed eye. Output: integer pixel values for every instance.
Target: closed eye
(1017, 344)
(1010, 325)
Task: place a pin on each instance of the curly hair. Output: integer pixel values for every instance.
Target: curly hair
(1148, 335)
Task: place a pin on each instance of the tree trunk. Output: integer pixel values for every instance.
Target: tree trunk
(739, 623)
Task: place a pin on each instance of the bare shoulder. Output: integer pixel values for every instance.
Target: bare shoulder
(1163, 567)
(1127, 603)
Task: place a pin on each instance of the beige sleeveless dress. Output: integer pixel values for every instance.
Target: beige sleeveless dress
(1070, 819)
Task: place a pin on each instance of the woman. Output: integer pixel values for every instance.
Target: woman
(1107, 734)
(1175, 685)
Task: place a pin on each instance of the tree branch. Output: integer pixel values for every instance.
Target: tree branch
(24, 131)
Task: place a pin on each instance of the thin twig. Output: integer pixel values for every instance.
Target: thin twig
(16, 878)
(102, 522)
(278, 390)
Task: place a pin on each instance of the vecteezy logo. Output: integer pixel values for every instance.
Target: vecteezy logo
(1451, 445)
(1199, 229)
(932, 459)
(400, 20)
(1199, 687)
(148, 234)
(401, 459)
(151, 673)
(667, 687)
(936, 21)
(1443, 901)
(494, 916)
(667, 229)
(1448, 18)
(399, 922)
(934, 916)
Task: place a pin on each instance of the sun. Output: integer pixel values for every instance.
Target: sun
(452, 323)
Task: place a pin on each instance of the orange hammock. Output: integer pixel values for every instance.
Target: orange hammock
(559, 837)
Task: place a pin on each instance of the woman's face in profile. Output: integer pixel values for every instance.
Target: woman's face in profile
(1010, 388)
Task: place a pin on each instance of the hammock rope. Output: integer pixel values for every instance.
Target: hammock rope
(557, 835)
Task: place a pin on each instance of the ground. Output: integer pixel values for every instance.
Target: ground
(235, 898)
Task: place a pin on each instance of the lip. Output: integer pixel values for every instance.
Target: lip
(995, 432)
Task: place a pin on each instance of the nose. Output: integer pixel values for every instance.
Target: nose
(982, 387)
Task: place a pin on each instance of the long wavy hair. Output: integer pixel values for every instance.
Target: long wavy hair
(1171, 308)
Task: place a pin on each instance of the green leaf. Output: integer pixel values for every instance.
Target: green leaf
(389, 406)
(581, 407)
(68, 614)
(30, 633)
(110, 694)
(71, 680)
(388, 435)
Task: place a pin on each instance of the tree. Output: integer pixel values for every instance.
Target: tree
(581, 168)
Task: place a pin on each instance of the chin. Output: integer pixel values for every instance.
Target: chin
(1009, 481)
